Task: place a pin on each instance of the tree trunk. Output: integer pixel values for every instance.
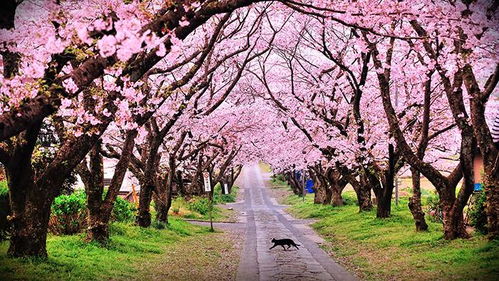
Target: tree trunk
(161, 211)
(160, 199)
(415, 202)
(322, 195)
(384, 206)
(453, 221)
(144, 214)
(336, 185)
(492, 208)
(29, 222)
(383, 197)
(30, 212)
(180, 183)
(363, 191)
(30, 203)
(98, 227)
(337, 200)
(169, 197)
(293, 183)
(383, 184)
(100, 204)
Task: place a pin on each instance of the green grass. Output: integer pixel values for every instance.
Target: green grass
(383, 249)
(197, 208)
(71, 258)
(278, 181)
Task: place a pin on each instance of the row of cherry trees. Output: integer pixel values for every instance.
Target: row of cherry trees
(137, 81)
(352, 92)
(375, 89)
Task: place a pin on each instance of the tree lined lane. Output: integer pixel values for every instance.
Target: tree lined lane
(266, 220)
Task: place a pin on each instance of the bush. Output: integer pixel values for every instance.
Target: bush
(219, 198)
(349, 198)
(200, 205)
(4, 210)
(68, 213)
(278, 178)
(433, 208)
(478, 217)
(123, 211)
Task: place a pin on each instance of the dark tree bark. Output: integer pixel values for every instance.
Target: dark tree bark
(145, 197)
(100, 206)
(293, 182)
(337, 183)
(30, 203)
(362, 189)
(232, 177)
(323, 193)
(415, 202)
(7, 13)
(383, 184)
(488, 149)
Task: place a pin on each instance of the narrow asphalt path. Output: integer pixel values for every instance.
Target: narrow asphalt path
(265, 219)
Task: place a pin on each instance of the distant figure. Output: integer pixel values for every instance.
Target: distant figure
(282, 242)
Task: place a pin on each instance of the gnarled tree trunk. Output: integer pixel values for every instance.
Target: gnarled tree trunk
(145, 197)
(30, 202)
(336, 183)
(293, 182)
(100, 205)
(30, 216)
(415, 202)
(362, 189)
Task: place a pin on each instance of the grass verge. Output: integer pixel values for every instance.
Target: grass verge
(70, 258)
(197, 208)
(391, 249)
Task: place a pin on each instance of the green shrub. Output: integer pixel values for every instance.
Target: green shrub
(68, 213)
(478, 217)
(4, 210)
(123, 211)
(349, 198)
(278, 178)
(433, 208)
(219, 198)
(200, 205)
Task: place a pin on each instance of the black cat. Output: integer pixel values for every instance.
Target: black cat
(283, 242)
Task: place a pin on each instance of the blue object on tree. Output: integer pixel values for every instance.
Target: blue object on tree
(309, 186)
(478, 187)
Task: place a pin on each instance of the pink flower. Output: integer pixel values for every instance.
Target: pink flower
(107, 46)
(161, 52)
(70, 85)
(54, 46)
(183, 23)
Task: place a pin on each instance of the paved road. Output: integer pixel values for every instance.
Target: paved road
(265, 220)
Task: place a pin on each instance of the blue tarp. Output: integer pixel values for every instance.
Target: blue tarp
(309, 186)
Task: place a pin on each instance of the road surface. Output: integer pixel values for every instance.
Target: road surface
(265, 219)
